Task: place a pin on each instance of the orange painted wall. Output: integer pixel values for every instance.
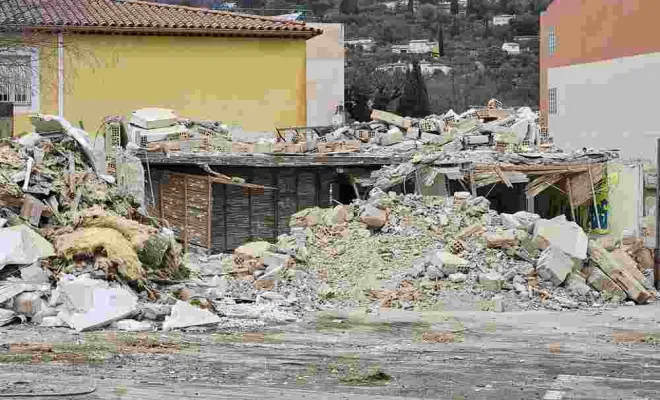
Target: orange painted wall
(596, 30)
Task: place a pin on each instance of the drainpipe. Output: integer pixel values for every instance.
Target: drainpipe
(60, 74)
(656, 257)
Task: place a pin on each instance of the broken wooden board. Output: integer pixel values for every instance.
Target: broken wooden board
(581, 184)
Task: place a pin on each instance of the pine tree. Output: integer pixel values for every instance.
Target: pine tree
(415, 99)
(411, 5)
(441, 41)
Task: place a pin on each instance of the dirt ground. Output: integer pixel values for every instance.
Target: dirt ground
(351, 355)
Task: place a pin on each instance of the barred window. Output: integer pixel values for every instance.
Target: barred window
(552, 41)
(16, 79)
(552, 101)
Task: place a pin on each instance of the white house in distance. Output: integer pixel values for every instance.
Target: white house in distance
(421, 46)
(511, 48)
(366, 44)
(503, 19)
(428, 68)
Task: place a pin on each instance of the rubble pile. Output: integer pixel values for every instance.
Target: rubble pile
(491, 127)
(75, 248)
(412, 251)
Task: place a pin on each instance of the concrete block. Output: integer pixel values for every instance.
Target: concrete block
(392, 136)
(491, 281)
(457, 277)
(554, 265)
(526, 219)
(447, 262)
(418, 268)
(565, 235)
(597, 279)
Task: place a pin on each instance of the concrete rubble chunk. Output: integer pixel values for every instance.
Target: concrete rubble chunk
(417, 269)
(154, 312)
(597, 279)
(526, 219)
(433, 272)
(609, 264)
(35, 274)
(29, 304)
(499, 303)
(447, 262)
(509, 221)
(502, 240)
(89, 304)
(185, 315)
(276, 260)
(7, 317)
(392, 136)
(491, 281)
(22, 245)
(457, 277)
(565, 235)
(373, 217)
(554, 265)
(577, 284)
(131, 325)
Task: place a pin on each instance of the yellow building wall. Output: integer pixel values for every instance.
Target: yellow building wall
(256, 83)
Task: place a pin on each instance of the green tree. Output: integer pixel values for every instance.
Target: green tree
(414, 101)
(526, 25)
(455, 27)
(427, 15)
(454, 7)
(348, 7)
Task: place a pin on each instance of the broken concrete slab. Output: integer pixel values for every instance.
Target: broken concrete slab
(417, 269)
(7, 317)
(554, 265)
(185, 315)
(634, 289)
(20, 244)
(276, 260)
(89, 304)
(131, 325)
(565, 235)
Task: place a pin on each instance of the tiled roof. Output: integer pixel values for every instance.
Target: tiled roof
(142, 17)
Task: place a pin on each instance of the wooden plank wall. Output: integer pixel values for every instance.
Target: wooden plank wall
(238, 215)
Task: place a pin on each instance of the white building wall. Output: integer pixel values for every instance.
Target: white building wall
(325, 74)
(608, 104)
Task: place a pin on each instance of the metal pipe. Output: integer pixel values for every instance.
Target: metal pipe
(60, 74)
(656, 257)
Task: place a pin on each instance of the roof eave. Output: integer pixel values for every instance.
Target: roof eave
(136, 30)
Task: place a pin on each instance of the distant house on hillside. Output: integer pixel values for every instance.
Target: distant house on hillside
(399, 48)
(420, 46)
(511, 48)
(428, 68)
(366, 44)
(504, 19)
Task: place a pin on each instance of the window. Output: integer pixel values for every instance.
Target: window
(551, 41)
(19, 79)
(552, 101)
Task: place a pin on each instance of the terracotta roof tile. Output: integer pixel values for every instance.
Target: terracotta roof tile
(142, 16)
